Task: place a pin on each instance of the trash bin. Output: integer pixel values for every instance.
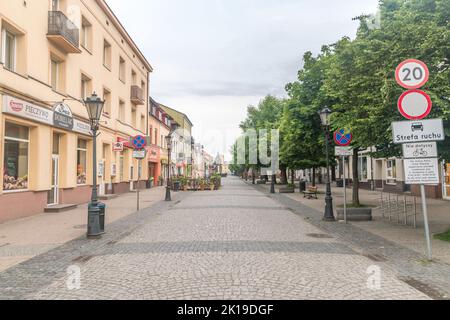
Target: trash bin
(302, 186)
(102, 208)
(340, 183)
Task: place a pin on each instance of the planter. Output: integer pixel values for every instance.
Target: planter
(212, 187)
(185, 188)
(261, 182)
(355, 214)
(287, 190)
(202, 188)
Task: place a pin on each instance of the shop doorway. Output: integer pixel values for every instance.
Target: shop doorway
(446, 180)
(53, 194)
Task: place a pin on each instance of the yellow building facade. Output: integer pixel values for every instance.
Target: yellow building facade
(54, 54)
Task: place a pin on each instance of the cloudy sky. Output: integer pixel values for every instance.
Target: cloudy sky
(213, 58)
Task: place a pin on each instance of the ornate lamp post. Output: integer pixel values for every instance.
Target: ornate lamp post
(94, 106)
(325, 118)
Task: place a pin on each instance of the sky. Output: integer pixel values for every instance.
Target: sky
(214, 58)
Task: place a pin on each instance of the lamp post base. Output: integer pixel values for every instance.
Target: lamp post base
(329, 214)
(168, 196)
(94, 225)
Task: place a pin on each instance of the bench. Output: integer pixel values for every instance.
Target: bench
(311, 192)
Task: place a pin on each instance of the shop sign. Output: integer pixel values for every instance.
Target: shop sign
(117, 147)
(62, 116)
(21, 108)
(153, 154)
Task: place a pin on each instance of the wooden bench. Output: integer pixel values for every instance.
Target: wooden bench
(311, 192)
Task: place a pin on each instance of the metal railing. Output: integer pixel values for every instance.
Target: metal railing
(137, 94)
(402, 209)
(59, 24)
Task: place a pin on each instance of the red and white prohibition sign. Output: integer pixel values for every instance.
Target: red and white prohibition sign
(415, 105)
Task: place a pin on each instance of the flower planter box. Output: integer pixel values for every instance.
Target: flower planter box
(355, 214)
(287, 190)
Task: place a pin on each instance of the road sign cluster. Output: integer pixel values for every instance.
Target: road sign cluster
(417, 136)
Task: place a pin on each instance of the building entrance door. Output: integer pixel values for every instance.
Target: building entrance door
(446, 181)
(53, 194)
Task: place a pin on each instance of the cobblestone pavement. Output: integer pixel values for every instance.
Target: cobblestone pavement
(236, 243)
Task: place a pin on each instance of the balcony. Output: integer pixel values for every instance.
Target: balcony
(63, 33)
(137, 95)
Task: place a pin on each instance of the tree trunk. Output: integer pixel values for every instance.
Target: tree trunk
(283, 177)
(355, 177)
(314, 177)
(293, 176)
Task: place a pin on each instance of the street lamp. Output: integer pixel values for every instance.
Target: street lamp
(96, 213)
(169, 151)
(325, 118)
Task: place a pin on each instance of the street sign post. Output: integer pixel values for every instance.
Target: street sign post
(412, 74)
(418, 131)
(343, 139)
(420, 150)
(415, 105)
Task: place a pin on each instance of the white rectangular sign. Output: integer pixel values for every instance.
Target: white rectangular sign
(139, 154)
(418, 131)
(343, 151)
(420, 150)
(422, 171)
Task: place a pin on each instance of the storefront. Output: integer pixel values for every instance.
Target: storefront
(154, 164)
(446, 180)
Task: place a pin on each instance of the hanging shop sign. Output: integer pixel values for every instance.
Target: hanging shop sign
(117, 147)
(62, 116)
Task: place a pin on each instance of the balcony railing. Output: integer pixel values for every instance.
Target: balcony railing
(137, 95)
(59, 26)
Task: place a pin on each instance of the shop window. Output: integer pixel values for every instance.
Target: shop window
(81, 162)
(121, 168)
(15, 175)
(391, 172)
(362, 169)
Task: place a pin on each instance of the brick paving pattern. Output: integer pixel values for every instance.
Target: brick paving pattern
(236, 243)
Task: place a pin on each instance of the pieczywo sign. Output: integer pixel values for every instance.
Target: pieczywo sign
(415, 105)
(412, 74)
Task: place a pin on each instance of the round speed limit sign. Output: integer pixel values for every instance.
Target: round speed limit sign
(412, 74)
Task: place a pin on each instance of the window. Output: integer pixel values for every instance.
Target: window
(133, 116)
(142, 123)
(391, 172)
(122, 111)
(86, 86)
(121, 167)
(54, 69)
(362, 169)
(81, 162)
(133, 78)
(122, 69)
(156, 137)
(86, 34)
(15, 175)
(107, 105)
(9, 50)
(107, 54)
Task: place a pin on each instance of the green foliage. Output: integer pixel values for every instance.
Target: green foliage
(443, 236)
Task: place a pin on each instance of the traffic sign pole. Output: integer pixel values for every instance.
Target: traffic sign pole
(425, 221)
(345, 191)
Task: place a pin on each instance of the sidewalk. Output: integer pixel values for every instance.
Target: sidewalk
(414, 239)
(23, 239)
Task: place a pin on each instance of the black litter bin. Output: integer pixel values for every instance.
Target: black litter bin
(102, 208)
(302, 186)
(340, 183)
